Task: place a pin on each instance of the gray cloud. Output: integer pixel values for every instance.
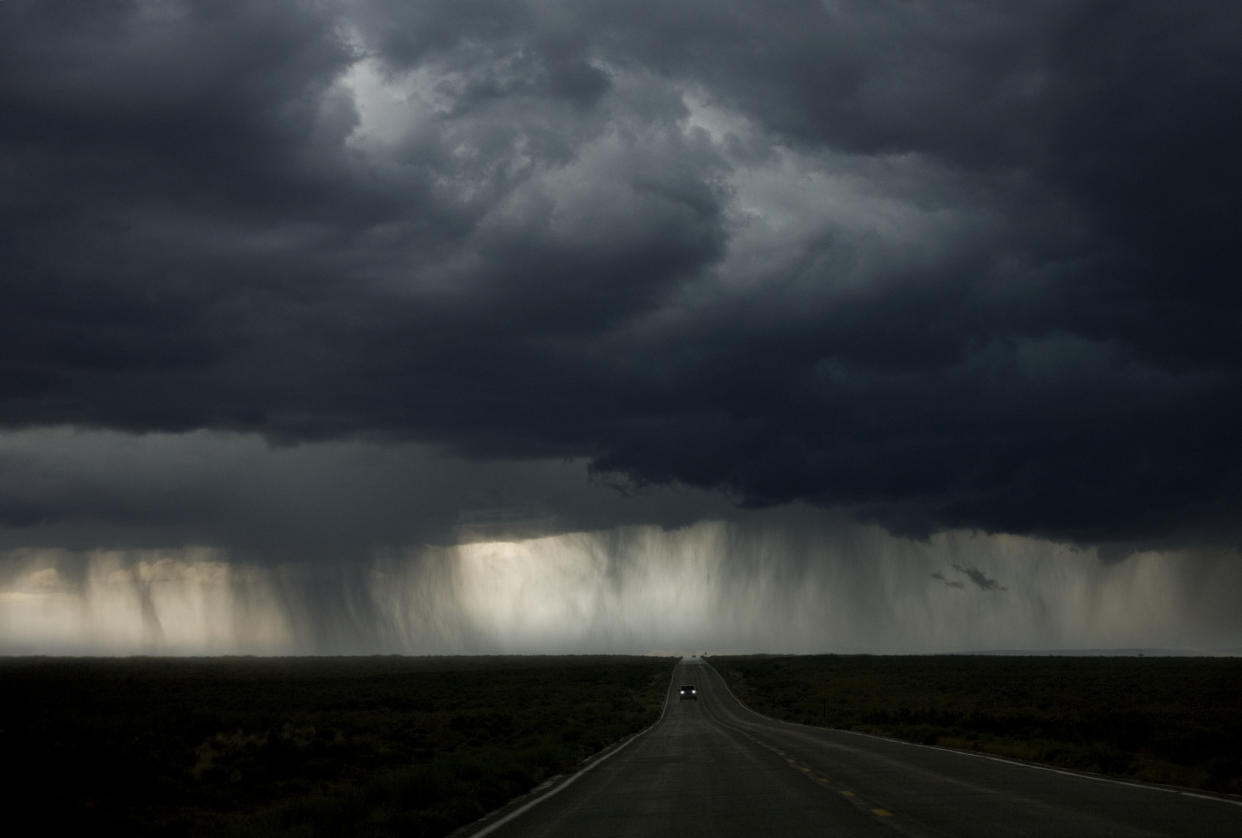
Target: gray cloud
(325, 503)
(969, 267)
(951, 583)
(981, 579)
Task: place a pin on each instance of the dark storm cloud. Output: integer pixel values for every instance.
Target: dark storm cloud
(947, 266)
(340, 500)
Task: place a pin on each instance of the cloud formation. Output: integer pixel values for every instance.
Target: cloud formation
(981, 579)
(951, 583)
(967, 266)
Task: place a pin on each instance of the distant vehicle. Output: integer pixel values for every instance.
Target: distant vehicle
(688, 691)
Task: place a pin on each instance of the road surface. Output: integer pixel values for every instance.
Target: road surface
(712, 767)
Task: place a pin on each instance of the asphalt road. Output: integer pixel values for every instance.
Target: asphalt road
(713, 767)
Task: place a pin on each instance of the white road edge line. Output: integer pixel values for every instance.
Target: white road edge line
(1032, 765)
(573, 778)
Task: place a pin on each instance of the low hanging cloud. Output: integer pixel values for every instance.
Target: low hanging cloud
(952, 583)
(981, 579)
(951, 268)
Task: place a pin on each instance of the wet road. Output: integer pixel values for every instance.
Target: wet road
(712, 767)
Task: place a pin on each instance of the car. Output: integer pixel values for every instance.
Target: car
(688, 691)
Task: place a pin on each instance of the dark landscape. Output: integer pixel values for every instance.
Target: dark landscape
(421, 746)
(1175, 720)
(305, 746)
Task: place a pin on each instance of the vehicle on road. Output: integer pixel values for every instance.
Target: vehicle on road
(688, 691)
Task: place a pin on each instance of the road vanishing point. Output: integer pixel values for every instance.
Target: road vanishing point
(713, 767)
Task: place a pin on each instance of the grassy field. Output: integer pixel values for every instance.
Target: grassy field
(1163, 719)
(304, 746)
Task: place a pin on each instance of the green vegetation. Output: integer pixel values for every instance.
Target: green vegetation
(305, 746)
(1167, 720)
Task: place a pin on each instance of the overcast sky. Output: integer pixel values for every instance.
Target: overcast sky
(872, 325)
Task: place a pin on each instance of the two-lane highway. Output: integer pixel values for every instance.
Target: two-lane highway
(713, 767)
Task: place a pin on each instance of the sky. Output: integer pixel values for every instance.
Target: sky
(465, 326)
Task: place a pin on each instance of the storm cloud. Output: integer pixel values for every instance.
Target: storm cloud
(440, 272)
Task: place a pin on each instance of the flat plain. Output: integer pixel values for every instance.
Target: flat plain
(304, 746)
(1172, 720)
(378, 746)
